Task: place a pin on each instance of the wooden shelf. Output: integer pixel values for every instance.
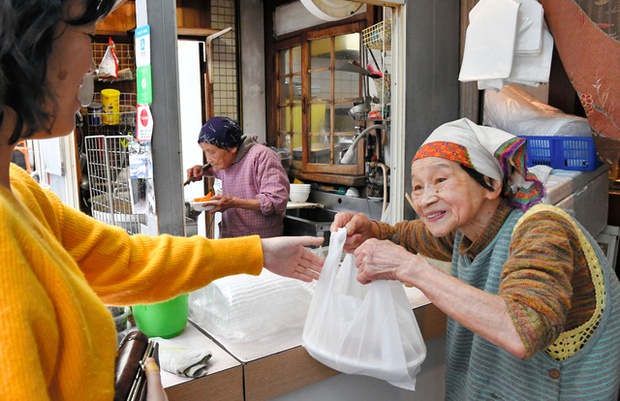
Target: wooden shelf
(202, 32)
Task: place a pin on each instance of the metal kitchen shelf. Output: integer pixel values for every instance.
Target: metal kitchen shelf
(126, 118)
(124, 53)
(112, 193)
(378, 36)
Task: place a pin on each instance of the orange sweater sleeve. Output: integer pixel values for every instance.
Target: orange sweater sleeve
(58, 340)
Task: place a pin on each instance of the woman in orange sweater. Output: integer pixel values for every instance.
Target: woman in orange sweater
(60, 266)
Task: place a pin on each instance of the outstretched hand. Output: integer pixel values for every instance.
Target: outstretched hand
(289, 257)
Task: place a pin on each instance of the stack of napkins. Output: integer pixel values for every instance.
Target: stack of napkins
(507, 41)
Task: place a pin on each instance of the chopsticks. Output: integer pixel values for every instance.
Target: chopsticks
(409, 200)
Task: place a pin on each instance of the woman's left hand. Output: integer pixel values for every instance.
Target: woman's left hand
(224, 202)
(382, 260)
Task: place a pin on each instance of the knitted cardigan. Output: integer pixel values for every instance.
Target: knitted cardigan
(582, 364)
(60, 267)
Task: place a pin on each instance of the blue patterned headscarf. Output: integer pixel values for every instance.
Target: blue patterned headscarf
(222, 132)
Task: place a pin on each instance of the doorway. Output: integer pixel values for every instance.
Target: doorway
(193, 114)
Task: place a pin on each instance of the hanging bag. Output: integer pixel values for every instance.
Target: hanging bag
(362, 329)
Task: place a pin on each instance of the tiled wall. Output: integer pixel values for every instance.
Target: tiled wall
(225, 90)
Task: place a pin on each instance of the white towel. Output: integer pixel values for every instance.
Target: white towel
(490, 40)
(182, 361)
(506, 41)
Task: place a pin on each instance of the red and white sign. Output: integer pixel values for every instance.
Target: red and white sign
(144, 123)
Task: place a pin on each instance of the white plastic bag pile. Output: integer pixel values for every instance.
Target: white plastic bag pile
(362, 329)
(246, 309)
(513, 110)
(507, 41)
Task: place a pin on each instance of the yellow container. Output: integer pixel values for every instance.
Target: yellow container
(110, 99)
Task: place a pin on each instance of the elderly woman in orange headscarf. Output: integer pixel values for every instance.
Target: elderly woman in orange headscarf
(533, 305)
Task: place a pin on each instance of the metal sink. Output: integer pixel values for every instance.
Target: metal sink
(309, 221)
(316, 221)
(317, 214)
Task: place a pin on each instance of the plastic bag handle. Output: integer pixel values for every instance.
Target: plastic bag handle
(332, 261)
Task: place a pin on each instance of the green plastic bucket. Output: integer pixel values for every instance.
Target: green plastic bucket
(165, 319)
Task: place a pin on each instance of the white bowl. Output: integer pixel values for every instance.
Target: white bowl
(203, 206)
(297, 197)
(352, 192)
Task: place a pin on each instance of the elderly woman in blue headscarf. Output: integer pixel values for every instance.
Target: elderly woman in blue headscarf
(533, 305)
(255, 186)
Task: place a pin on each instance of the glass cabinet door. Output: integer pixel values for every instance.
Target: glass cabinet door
(314, 99)
(289, 100)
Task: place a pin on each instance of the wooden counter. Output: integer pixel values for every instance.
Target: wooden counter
(289, 370)
(262, 371)
(269, 376)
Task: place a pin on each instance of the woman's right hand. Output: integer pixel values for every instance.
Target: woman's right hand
(195, 173)
(358, 226)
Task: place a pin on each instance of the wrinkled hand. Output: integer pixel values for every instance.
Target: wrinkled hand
(288, 257)
(224, 202)
(155, 390)
(384, 260)
(194, 173)
(358, 226)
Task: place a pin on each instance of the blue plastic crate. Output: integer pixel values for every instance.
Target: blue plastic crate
(562, 152)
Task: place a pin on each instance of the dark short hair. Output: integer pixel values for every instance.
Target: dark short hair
(26, 37)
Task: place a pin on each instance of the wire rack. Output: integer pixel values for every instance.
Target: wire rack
(378, 36)
(126, 116)
(124, 53)
(111, 192)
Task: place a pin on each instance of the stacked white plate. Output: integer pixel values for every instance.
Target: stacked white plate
(299, 192)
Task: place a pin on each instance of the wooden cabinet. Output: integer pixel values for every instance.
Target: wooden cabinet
(193, 14)
(122, 20)
(193, 18)
(314, 87)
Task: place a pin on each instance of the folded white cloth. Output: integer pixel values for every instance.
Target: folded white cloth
(181, 361)
(506, 41)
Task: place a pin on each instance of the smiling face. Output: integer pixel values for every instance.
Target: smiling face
(71, 58)
(219, 158)
(446, 198)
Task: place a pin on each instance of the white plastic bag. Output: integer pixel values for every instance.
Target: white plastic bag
(108, 68)
(362, 329)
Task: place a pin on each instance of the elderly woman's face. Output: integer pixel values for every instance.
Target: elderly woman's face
(219, 158)
(446, 198)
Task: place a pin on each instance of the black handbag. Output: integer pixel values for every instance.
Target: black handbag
(130, 375)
